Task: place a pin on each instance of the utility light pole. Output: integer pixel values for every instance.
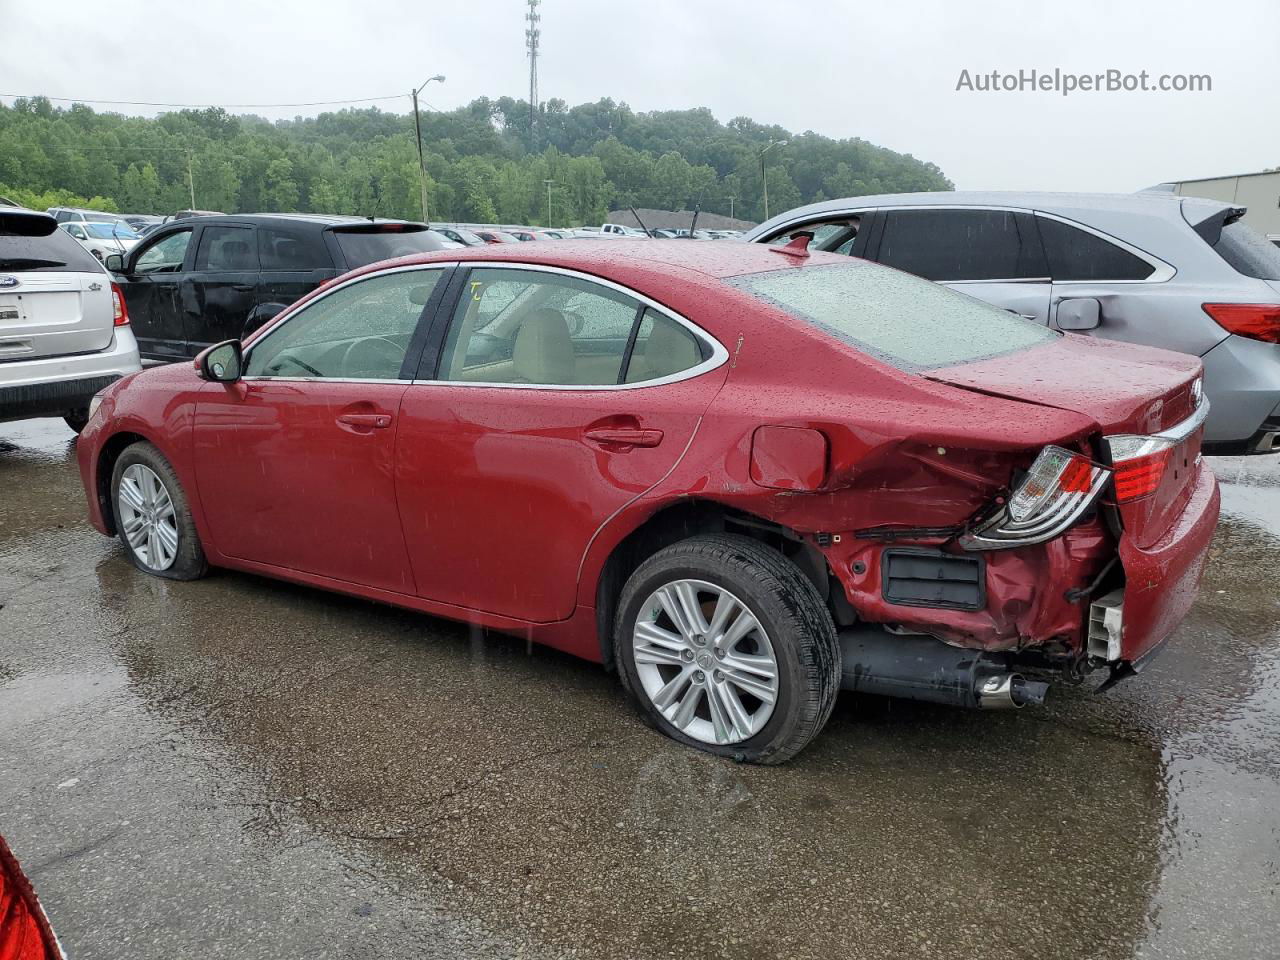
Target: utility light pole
(191, 181)
(764, 180)
(417, 126)
(548, 183)
(731, 198)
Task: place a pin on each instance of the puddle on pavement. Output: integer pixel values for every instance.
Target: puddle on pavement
(526, 793)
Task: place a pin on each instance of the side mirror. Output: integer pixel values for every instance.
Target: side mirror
(1081, 313)
(221, 363)
(115, 262)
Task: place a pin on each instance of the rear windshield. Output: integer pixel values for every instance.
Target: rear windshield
(58, 252)
(1249, 252)
(903, 320)
(363, 247)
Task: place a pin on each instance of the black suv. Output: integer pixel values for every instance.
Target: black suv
(199, 281)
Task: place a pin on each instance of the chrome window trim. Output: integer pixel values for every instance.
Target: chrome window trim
(289, 314)
(1165, 438)
(719, 355)
(1162, 271)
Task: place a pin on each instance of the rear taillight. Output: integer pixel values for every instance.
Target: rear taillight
(1139, 464)
(1257, 321)
(1054, 494)
(120, 312)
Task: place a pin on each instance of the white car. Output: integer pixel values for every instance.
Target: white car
(64, 326)
(103, 238)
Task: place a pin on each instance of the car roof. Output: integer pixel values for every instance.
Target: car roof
(318, 219)
(612, 259)
(1072, 205)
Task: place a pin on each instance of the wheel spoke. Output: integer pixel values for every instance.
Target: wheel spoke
(688, 704)
(756, 675)
(729, 718)
(726, 608)
(135, 531)
(168, 537)
(130, 494)
(742, 626)
(671, 689)
(680, 601)
(654, 654)
(150, 558)
(654, 635)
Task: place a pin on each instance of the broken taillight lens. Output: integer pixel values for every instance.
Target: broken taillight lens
(1257, 321)
(1054, 470)
(1053, 495)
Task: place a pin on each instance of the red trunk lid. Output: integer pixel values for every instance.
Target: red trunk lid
(1124, 388)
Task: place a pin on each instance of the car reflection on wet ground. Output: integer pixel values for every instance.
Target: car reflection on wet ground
(240, 768)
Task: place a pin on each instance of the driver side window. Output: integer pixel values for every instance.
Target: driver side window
(359, 332)
(165, 256)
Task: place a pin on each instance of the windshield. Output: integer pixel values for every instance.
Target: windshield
(107, 231)
(55, 253)
(901, 319)
(361, 247)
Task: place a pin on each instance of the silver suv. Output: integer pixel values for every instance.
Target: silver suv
(64, 329)
(1180, 273)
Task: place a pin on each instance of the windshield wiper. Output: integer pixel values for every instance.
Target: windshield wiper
(24, 263)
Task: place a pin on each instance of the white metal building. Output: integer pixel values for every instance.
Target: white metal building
(1259, 192)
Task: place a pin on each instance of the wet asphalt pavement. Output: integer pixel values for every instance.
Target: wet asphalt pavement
(239, 768)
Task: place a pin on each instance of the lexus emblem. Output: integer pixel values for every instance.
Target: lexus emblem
(7, 281)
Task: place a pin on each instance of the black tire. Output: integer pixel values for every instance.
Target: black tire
(792, 613)
(189, 562)
(77, 419)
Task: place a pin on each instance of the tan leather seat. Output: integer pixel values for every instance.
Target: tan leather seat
(543, 351)
(669, 349)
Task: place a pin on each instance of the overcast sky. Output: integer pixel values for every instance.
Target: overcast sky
(884, 71)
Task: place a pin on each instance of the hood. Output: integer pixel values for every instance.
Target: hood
(1122, 387)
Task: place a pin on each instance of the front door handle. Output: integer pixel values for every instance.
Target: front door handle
(624, 436)
(374, 421)
(243, 287)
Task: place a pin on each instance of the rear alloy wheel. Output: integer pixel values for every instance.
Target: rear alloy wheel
(152, 517)
(726, 646)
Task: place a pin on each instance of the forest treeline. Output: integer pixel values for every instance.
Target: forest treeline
(484, 162)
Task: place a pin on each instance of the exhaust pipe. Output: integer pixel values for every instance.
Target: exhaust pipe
(923, 668)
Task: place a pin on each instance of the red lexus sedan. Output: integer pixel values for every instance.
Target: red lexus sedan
(743, 476)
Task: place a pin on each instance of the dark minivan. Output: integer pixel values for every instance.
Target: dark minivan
(198, 281)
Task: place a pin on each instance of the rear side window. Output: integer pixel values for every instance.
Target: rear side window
(57, 253)
(961, 245)
(292, 250)
(1249, 252)
(227, 249)
(361, 247)
(905, 321)
(1076, 254)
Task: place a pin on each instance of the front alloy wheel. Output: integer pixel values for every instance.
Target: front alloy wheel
(705, 662)
(152, 517)
(147, 517)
